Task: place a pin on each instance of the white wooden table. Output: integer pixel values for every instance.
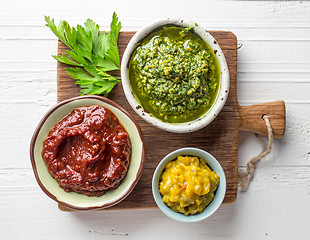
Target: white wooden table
(273, 64)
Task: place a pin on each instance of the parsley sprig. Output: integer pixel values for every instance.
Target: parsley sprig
(92, 53)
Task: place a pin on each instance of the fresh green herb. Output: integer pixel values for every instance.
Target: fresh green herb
(93, 54)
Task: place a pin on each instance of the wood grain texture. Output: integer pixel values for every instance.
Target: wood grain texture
(267, 31)
(220, 138)
(252, 118)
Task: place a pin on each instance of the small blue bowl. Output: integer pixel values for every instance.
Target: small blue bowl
(219, 194)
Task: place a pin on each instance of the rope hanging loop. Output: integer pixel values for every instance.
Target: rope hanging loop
(246, 176)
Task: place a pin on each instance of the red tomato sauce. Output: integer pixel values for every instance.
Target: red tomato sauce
(88, 151)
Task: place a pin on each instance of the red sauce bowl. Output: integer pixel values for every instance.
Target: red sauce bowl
(77, 201)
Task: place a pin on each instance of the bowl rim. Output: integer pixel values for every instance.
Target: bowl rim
(38, 129)
(219, 196)
(222, 94)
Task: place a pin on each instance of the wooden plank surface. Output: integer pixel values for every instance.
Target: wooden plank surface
(220, 138)
(268, 32)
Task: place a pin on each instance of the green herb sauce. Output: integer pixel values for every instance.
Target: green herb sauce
(174, 74)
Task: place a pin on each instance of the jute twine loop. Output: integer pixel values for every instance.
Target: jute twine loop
(246, 176)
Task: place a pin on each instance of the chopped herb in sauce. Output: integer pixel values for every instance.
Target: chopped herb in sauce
(174, 74)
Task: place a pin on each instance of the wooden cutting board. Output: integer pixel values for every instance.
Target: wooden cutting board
(220, 138)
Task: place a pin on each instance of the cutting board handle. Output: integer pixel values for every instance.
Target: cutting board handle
(251, 118)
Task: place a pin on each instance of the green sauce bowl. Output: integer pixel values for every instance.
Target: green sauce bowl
(193, 121)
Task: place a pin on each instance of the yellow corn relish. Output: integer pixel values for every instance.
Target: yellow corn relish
(187, 185)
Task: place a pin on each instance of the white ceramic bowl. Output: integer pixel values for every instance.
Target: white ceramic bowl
(218, 104)
(219, 193)
(75, 200)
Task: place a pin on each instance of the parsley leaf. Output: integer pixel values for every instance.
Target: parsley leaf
(93, 54)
